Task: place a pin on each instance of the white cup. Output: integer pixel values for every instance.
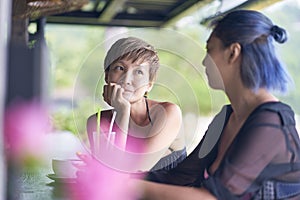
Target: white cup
(64, 168)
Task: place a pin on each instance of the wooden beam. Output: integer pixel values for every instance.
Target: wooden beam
(92, 21)
(189, 11)
(111, 10)
(258, 5)
(5, 20)
(19, 33)
(251, 5)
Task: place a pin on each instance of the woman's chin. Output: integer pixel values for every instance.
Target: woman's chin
(127, 95)
(216, 85)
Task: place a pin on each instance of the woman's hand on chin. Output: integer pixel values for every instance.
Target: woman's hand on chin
(113, 95)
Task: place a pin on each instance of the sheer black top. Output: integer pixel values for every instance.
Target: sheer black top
(265, 150)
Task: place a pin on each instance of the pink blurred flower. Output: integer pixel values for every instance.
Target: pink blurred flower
(25, 126)
(98, 181)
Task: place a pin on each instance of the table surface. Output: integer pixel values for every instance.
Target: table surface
(37, 186)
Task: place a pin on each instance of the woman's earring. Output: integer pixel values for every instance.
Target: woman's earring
(146, 94)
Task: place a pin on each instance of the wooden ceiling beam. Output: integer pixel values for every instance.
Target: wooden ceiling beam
(111, 10)
(251, 5)
(19, 33)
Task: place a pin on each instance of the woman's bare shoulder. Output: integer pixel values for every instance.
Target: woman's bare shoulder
(168, 108)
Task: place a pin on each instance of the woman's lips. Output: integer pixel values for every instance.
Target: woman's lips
(129, 91)
(126, 89)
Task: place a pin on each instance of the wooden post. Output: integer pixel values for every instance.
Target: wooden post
(27, 65)
(19, 26)
(25, 75)
(5, 18)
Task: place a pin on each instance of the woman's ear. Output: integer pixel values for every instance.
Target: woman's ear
(150, 86)
(235, 51)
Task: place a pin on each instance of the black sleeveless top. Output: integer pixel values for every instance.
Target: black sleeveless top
(263, 161)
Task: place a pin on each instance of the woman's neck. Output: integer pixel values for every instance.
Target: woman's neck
(244, 101)
(138, 111)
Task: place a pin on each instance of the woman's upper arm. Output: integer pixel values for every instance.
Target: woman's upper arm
(91, 127)
(249, 155)
(91, 124)
(166, 126)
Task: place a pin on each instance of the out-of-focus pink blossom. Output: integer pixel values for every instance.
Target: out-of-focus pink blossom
(25, 126)
(107, 177)
(98, 181)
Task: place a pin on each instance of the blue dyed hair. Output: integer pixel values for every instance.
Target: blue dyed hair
(260, 67)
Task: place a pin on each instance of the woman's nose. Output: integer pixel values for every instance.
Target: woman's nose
(204, 60)
(126, 78)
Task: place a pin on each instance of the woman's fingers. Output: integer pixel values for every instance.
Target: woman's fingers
(84, 157)
(113, 95)
(79, 165)
(116, 96)
(105, 94)
(114, 91)
(119, 93)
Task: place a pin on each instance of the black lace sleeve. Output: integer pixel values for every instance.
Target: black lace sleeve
(190, 172)
(185, 173)
(261, 144)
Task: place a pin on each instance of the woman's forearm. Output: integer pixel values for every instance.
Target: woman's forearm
(122, 121)
(156, 191)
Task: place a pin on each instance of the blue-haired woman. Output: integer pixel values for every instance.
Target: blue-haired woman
(251, 149)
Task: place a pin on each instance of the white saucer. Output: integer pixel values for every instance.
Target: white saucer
(61, 179)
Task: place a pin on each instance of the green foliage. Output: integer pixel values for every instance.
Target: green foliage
(69, 45)
(286, 14)
(73, 120)
(63, 120)
(77, 54)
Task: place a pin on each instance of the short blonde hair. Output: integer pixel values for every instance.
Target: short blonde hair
(135, 49)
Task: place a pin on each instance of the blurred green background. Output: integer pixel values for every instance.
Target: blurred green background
(77, 54)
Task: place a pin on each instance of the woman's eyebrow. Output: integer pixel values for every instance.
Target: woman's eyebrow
(120, 62)
(143, 64)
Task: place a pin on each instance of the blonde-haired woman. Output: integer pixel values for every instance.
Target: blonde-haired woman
(142, 125)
